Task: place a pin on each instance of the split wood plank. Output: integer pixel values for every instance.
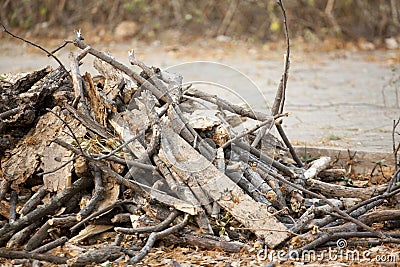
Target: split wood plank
(26, 157)
(122, 128)
(178, 155)
(55, 155)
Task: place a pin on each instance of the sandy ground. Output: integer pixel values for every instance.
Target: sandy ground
(342, 98)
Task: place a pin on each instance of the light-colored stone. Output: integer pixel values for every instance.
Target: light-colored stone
(126, 29)
(391, 43)
(366, 46)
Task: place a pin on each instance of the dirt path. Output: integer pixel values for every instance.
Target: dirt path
(338, 98)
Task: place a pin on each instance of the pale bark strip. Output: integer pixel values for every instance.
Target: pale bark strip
(186, 161)
(316, 167)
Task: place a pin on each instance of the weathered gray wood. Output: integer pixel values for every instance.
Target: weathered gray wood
(49, 208)
(206, 242)
(88, 231)
(89, 122)
(95, 256)
(183, 191)
(316, 167)
(122, 128)
(178, 155)
(333, 190)
(97, 101)
(54, 155)
(25, 160)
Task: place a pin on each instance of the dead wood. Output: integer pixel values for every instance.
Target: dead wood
(13, 206)
(335, 208)
(360, 208)
(96, 256)
(239, 179)
(98, 194)
(10, 112)
(316, 167)
(99, 213)
(334, 233)
(154, 236)
(172, 201)
(34, 200)
(100, 105)
(255, 128)
(19, 108)
(173, 183)
(332, 190)
(88, 122)
(280, 199)
(140, 158)
(330, 175)
(206, 242)
(63, 221)
(38, 237)
(186, 162)
(184, 192)
(77, 81)
(303, 221)
(139, 187)
(4, 187)
(121, 218)
(24, 160)
(25, 83)
(20, 238)
(48, 208)
(12, 254)
(149, 73)
(125, 131)
(379, 216)
(49, 246)
(5, 209)
(265, 158)
(118, 65)
(91, 230)
(224, 104)
(279, 101)
(157, 228)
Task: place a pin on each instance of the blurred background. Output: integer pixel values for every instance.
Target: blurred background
(371, 20)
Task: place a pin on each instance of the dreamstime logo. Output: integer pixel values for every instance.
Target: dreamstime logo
(341, 243)
(214, 79)
(341, 253)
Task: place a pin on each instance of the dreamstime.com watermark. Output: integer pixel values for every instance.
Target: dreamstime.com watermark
(339, 253)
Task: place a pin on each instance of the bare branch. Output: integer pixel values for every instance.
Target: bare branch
(35, 45)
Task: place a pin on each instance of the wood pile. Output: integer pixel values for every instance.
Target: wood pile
(99, 167)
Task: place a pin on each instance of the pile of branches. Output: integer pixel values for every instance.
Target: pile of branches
(114, 162)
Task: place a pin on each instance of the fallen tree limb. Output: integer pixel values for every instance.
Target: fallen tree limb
(206, 242)
(12, 254)
(156, 236)
(49, 246)
(332, 190)
(48, 208)
(96, 256)
(157, 228)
